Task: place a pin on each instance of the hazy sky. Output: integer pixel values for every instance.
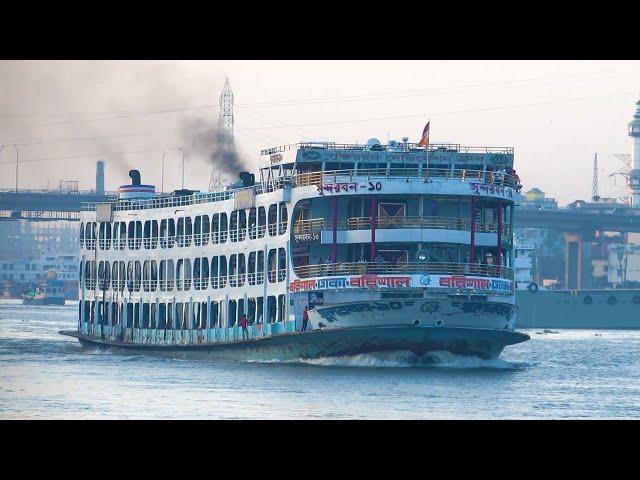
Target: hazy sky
(556, 114)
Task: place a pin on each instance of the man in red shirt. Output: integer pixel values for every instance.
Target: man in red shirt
(242, 323)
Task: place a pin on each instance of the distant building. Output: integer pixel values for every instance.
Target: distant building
(624, 264)
(536, 198)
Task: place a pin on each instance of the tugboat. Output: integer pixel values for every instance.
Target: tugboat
(51, 293)
(336, 250)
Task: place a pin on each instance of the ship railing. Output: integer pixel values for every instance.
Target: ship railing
(255, 278)
(364, 223)
(166, 285)
(257, 231)
(183, 284)
(409, 268)
(201, 239)
(399, 147)
(466, 175)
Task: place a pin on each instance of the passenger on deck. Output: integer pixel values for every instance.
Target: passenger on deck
(243, 322)
(305, 318)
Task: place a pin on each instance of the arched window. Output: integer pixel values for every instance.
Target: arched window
(130, 275)
(197, 235)
(122, 235)
(206, 229)
(282, 264)
(222, 278)
(214, 272)
(272, 220)
(146, 276)
(215, 228)
(233, 226)
(131, 235)
(272, 265)
(154, 275)
(204, 277)
(253, 225)
(183, 274)
(138, 242)
(260, 268)
(284, 218)
(196, 272)
(262, 222)
(147, 234)
(224, 227)
(233, 270)
(81, 236)
(180, 233)
(242, 269)
(167, 233)
(252, 268)
(214, 313)
(188, 231)
(138, 277)
(242, 225)
(166, 275)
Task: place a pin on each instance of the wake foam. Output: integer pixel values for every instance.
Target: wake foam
(405, 359)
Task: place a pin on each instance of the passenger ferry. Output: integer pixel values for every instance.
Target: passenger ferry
(387, 247)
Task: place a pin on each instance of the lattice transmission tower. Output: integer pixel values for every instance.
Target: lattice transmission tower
(226, 146)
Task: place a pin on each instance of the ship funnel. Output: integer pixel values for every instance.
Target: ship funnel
(136, 189)
(248, 179)
(135, 177)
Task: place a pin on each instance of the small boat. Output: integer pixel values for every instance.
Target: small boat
(49, 294)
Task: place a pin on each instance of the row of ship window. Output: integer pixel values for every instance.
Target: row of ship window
(184, 316)
(184, 274)
(185, 231)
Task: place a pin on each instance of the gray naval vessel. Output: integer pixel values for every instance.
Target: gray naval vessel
(539, 307)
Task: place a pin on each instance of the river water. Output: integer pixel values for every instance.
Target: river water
(569, 374)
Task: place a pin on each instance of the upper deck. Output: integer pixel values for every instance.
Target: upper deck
(437, 153)
(326, 163)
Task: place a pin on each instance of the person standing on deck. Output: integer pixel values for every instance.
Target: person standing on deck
(305, 318)
(242, 323)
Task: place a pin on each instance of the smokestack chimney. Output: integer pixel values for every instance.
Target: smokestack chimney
(100, 177)
(135, 177)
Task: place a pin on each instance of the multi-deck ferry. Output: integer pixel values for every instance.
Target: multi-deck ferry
(370, 247)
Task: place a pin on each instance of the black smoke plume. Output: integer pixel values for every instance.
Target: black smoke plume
(203, 142)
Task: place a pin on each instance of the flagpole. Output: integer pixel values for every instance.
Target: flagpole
(429, 141)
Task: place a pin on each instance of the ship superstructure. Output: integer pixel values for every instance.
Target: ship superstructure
(380, 247)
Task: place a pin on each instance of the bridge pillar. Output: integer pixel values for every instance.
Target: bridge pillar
(577, 261)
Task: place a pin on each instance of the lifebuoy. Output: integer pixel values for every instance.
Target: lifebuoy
(588, 300)
(612, 300)
(636, 299)
(533, 287)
